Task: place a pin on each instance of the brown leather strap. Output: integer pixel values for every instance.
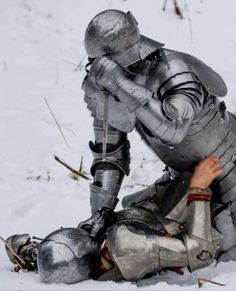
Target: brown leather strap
(198, 197)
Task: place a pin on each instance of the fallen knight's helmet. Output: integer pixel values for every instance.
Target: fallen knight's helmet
(16, 242)
(22, 251)
(115, 33)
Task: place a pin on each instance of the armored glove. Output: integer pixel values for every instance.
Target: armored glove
(106, 73)
(98, 223)
(109, 75)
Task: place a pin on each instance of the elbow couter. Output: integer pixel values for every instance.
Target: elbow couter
(170, 138)
(177, 139)
(200, 252)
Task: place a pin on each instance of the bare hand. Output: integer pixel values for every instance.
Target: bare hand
(205, 172)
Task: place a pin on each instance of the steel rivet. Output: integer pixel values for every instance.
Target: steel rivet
(221, 120)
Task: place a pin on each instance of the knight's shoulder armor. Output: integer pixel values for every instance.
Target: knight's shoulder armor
(174, 63)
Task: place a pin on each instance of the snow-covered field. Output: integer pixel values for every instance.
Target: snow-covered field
(42, 56)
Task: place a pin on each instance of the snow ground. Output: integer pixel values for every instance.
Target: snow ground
(42, 55)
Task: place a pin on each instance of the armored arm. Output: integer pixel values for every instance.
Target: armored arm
(201, 240)
(180, 93)
(138, 253)
(170, 119)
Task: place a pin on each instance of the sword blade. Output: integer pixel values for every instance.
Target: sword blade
(105, 126)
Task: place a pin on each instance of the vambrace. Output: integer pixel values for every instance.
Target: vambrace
(167, 120)
(150, 111)
(168, 117)
(133, 95)
(201, 240)
(138, 251)
(168, 131)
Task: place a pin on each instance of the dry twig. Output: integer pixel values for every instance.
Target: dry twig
(57, 123)
(178, 10)
(201, 281)
(78, 173)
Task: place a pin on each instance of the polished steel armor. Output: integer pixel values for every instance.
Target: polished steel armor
(142, 241)
(141, 248)
(16, 242)
(66, 256)
(116, 33)
(172, 99)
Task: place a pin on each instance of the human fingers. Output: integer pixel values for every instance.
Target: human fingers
(207, 162)
(215, 164)
(212, 160)
(211, 164)
(215, 167)
(218, 171)
(214, 175)
(210, 176)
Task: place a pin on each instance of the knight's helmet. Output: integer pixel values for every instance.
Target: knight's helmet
(15, 242)
(116, 33)
(67, 255)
